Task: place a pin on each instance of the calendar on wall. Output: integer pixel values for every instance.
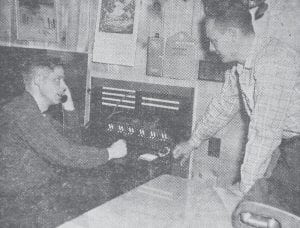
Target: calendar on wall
(116, 32)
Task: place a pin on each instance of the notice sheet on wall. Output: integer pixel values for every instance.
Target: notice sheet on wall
(178, 17)
(116, 32)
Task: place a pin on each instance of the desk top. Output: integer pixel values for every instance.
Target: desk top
(166, 201)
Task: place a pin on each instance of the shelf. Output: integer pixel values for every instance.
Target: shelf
(147, 79)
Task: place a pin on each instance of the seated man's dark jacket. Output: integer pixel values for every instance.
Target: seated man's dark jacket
(33, 146)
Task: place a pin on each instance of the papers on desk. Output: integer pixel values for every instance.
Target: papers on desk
(148, 157)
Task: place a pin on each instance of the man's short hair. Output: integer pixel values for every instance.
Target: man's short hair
(233, 15)
(37, 61)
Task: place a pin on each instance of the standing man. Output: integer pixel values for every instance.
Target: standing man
(46, 176)
(267, 79)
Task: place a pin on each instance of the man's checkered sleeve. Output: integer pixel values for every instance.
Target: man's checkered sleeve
(273, 96)
(219, 112)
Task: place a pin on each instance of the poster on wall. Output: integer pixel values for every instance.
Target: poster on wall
(36, 20)
(5, 20)
(116, 32)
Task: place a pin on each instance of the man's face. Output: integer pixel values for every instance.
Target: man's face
(225, 43)
(51, 84)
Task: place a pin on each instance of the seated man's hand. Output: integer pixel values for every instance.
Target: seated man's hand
(118, 149)
(183, 151)
(68, 105)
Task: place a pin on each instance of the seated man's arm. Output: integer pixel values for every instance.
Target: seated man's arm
(71, 128)
(273, 96)
(40, 134)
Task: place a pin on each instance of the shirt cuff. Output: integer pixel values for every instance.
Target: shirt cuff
(194, 141)
(244, 187)
(104, 152)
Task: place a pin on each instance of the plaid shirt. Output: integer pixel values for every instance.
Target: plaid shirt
(270, 89)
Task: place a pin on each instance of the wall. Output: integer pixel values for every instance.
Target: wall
(148, 25)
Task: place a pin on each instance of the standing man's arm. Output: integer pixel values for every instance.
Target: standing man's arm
(220, 111)
(273, 95)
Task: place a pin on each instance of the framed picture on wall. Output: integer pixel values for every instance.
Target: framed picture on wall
(37, 20)
(117, 16)
(116, 32)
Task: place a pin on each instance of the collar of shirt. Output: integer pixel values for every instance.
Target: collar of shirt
(249, 60)
(251, 56)
(249, 63)
(258, 44)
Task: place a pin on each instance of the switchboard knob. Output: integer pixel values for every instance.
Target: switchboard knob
(152, 134)
(131, 130)
(110, 127)
(163, 136)
(142, 132)
(120, 128)
(164, 151)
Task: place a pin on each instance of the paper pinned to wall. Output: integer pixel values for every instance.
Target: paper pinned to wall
(5, 20)
(116, 32)
(178, 17)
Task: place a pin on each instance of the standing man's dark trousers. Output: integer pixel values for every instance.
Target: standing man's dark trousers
(278, 196)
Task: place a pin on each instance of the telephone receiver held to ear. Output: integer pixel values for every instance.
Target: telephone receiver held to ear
(63, 98)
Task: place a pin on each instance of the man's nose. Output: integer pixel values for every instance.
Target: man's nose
(212, 47)
(63, 85)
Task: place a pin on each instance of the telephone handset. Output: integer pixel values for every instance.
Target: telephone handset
(63, 98)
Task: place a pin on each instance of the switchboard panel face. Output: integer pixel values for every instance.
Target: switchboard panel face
(151, 118)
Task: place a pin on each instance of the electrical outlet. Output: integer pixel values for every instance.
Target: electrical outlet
(214, 147)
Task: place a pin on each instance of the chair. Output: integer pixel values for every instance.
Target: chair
(274, 201)
(254, 214)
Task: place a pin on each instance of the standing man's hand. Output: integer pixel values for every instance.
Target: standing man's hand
(183, 151)
(236, 190)
(244, 188)
(118, 149)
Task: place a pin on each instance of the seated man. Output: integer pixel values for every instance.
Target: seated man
(46, 177)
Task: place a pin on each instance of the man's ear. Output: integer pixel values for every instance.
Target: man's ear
(37, 77)
(36, 80)
(233, 34)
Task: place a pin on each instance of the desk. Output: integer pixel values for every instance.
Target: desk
(166, 201)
